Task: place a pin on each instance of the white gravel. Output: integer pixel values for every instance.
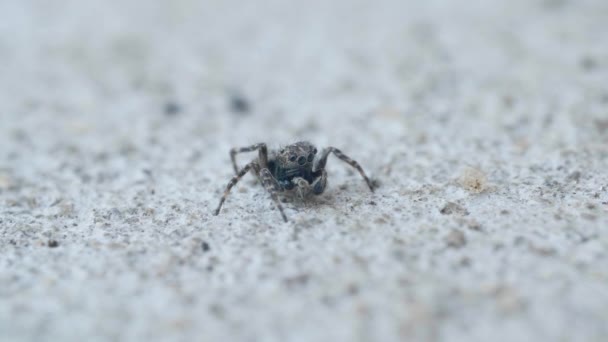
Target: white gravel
(486, 125)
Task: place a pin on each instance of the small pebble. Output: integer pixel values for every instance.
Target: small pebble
(52, 243)
(455, 239)
(473, 180)
(574, 176)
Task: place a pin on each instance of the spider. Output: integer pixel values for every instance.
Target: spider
(294, 167)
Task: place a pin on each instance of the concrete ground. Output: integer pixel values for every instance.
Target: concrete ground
(484, 124)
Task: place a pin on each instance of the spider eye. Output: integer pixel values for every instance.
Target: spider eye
(302, 160)
(314, 151)
(311, 157)
(292, 158)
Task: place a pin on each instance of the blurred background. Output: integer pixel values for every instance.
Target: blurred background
(534, 68)
(485, 123)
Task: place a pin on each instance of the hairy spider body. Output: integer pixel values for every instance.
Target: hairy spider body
(294, 167)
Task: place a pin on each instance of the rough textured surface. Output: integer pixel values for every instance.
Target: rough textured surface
(485, 125)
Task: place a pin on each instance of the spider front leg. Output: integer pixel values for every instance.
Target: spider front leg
(320, 183)
(321, 162)
(263, 154)
(233, 182)
(303, 187)
(272, 186)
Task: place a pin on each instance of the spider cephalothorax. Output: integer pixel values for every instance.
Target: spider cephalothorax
(297, 166)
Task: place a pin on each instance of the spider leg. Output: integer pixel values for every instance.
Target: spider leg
(321, 162)
(320, 183)
(272, 186)
(233, 182)
(263, 154)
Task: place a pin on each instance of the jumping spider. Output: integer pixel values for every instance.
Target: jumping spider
(294, 167)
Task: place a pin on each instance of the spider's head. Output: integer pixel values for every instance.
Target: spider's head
(297, 156)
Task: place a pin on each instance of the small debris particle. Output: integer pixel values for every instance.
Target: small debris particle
(519, 240)
(380, 220)
(53, 243)
(217, 310)
(372, 203)
(239, 104)
(588, 63)
(541, 250)
(574, 176)
(473, 180)
(453, 208)
(508, 300)
(465, 262)
(508, 101)
(455, 239)
(352, 289)
(205, 246)
(172, 108)
(472, 224)
(589, 217)
(602, 125)
(297, 281)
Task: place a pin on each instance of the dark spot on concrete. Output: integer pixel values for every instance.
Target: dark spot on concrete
(465, 262)
(588, 63)
(453, 208)
(508, 101)
(296, 281)
(239, 104)
(589, 217)
(205, 246)
(574, 176)
(380, 220)
(53, 243)
(352, 289)
(217, 310)
(472, 224)
(372, 203)
(172, 108)
(519, 240)
(542, 250)
(602, 125)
